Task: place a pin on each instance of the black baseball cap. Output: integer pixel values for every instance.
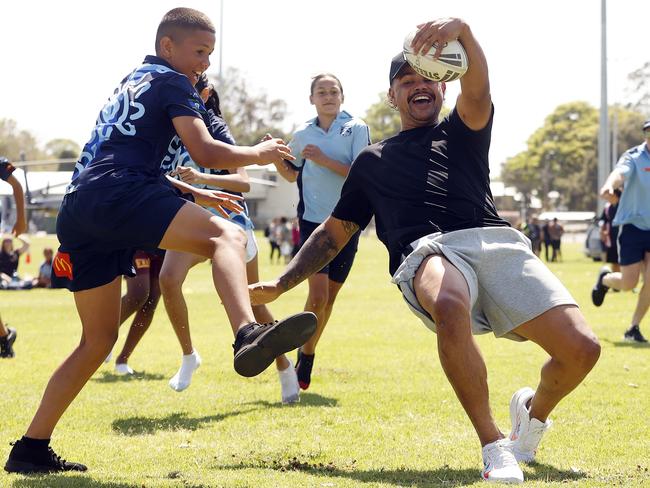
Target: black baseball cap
(646, 124)
(396, 65)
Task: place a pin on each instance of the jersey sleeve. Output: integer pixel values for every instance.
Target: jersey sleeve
(361, 139)
(6, 168)
(178, 98)
(625, 165)
(354, 205)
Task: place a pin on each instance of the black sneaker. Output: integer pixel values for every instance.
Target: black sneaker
(633, 334)
(599, 290)
(6, 344)
(23, 459)
(303, 369)
(257, 345)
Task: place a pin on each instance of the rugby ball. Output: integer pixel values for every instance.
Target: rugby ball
(450, 66)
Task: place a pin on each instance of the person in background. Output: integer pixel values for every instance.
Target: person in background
(633, 220)
(8, 334)
(325, 148)
(44, 279)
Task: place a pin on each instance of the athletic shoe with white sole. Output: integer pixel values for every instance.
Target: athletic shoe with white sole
(6, 344)
(499, 463)
(526, 433)
(289, 385)
(633, 334)
(123, 369)
(257, 345)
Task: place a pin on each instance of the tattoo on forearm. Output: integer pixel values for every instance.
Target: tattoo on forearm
(319, 250)
(349, 227)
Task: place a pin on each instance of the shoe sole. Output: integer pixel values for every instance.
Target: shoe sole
(27, 468)
(286, 335)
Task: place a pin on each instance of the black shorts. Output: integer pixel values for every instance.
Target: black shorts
(339, 268)
(633, 243)
(99, 230)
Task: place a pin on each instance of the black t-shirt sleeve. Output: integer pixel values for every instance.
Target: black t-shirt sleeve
(6, 168)
(354, 205)
(178, 98)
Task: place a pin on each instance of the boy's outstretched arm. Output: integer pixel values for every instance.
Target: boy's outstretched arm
(19, 196)
(211, 153)
(321, 247)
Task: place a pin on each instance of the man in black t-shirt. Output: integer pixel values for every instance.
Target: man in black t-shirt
(460, 267)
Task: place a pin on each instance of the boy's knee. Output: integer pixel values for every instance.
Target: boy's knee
(169, 281)
(318, 299)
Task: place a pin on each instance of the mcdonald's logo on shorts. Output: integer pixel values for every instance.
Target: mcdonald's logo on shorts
(62, 266)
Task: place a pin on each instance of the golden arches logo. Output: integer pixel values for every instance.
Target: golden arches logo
(62, 266)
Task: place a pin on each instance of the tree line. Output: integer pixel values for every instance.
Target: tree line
(560, 156)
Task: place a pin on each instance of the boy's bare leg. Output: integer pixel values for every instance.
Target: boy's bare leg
(222, 242)
(172, 276)
(99, 311)
(141, 321)
(643, 299)
(262, 312)
(443, 292)
(137, 292)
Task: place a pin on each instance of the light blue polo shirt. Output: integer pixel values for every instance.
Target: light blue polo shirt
(634, 207)
(320, 187)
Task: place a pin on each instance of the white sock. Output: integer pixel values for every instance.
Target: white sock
(108, 358)
(289, 384)
(123, 369)
(182, 379)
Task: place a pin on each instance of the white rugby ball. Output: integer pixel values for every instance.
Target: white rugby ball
(450, 66)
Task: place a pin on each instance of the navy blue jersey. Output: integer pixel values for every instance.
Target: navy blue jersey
(221, 132)
(134, 135)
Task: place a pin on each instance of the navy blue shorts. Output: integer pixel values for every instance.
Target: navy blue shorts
(633, 243)
(99, 230)
(339, 268)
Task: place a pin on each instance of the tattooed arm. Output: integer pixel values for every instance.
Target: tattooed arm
(321, 247)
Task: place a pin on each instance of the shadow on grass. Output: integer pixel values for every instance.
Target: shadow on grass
(634, 345)
(445, 476)
(309, 399)
(63, 481)
(175, 421)
(108, 377)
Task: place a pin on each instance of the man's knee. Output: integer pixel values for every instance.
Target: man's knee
(451, 314)
(584, 351)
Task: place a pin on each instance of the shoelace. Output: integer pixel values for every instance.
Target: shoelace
(534, 435)
(255, 326)
(55, 458)
(500, 456)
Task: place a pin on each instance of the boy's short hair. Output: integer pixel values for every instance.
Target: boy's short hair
(180, 20)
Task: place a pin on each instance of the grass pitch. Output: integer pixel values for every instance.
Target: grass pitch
(379, 413)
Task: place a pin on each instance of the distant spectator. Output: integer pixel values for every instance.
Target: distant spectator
(295, 236)
(609, 232)
(270, 234)
(10, 257)
(533, 231)
(284, 239)
(555, 232)
(546, 239)
(45, 270)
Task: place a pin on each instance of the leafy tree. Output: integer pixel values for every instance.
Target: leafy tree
(639, 89)
(62, 149)
(14, 142)
(383, 120)
(249, 112)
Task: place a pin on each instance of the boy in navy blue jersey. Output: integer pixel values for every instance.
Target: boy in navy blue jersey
(118, 202)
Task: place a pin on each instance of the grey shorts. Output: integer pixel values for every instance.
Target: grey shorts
(508, 284)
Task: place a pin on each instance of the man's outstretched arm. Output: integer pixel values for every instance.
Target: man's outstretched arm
(321, 247)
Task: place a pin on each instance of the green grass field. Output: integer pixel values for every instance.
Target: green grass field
(379, 413)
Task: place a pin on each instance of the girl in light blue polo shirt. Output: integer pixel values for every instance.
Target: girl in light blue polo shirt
(325, 148)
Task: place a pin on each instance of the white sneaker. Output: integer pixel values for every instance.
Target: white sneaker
(526, 433)
(289, 384)
(123, 369)
(182, 379)
(499, 463)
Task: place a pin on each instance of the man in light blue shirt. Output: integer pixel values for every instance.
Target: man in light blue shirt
(633, 219)
(325, 147)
